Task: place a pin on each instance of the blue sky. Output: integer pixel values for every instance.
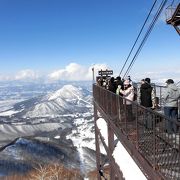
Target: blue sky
(54, 37)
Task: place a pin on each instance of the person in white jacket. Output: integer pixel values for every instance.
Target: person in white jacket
(171, 96)
(128, 94)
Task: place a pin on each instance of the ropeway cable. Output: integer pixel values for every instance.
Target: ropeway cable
(146, 36)
(163, 3)
(138, 35)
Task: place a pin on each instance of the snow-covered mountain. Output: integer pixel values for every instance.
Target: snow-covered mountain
(70, 92)
(65, 115)
(67, 100)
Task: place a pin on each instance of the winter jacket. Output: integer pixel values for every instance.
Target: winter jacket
(171, 95)
(128, 94)
(146, 95)
(112, 85)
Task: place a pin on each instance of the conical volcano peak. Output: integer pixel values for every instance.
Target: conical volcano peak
(67, 92)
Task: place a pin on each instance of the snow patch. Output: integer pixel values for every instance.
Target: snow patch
(121, 156)
(8, 113)
(57, 137)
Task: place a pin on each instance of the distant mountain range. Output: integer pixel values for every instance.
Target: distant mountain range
(67, 100)
(37, 128)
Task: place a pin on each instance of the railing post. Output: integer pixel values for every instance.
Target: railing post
(154, 140)
(126, 117)
(160, 96)
(98, 165)
(111, 149)
(137, 129)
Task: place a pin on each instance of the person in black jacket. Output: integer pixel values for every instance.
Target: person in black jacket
(119, 82)
(112, 85)
(146, 100)
(146, 93)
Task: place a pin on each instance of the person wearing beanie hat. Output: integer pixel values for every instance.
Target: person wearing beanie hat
(171, 96)
(170, 81)
(148, 80)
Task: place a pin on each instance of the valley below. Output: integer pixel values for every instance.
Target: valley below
(53, 128)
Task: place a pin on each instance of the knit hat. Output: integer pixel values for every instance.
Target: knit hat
(118, 78)
(170, 81)
(148, 80)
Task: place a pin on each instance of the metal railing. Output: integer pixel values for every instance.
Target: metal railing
(169, 12)
(143, 133)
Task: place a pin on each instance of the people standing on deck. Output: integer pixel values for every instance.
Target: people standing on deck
(128, 93)
(138, 91)
(119, 85)
(129, 78)
(100, 81)
(147, 97)
(171, 96)
(146, 93)
(112, 85)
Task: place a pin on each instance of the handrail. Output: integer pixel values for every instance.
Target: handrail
(142, 132)
(173, 17)
(169, 12)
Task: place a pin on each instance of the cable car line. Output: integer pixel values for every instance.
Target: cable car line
(138, 36)
(163, 3)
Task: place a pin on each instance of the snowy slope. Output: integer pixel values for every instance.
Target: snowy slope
(23, 154)
(67, 100)
(70, 92)
(65, 115)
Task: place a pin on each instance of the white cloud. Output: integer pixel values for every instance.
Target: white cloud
(72, 72)
(5, 77)
(159, 76)
(26, 74)
(76, 72)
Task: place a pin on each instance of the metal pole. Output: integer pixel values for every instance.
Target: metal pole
(93, 75)
(111, 149)
(98, 164)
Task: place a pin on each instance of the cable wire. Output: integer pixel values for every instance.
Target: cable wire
(163, 3)
(138, 35)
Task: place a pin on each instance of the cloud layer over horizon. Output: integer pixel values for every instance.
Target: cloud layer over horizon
(72, 72)
(77, 72)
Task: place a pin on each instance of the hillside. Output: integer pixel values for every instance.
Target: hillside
(55, 128)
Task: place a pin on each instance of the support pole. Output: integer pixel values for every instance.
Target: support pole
(111, 149)
(98, 165)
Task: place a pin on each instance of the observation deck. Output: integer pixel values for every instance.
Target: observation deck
(156, 152)
(173, 17)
